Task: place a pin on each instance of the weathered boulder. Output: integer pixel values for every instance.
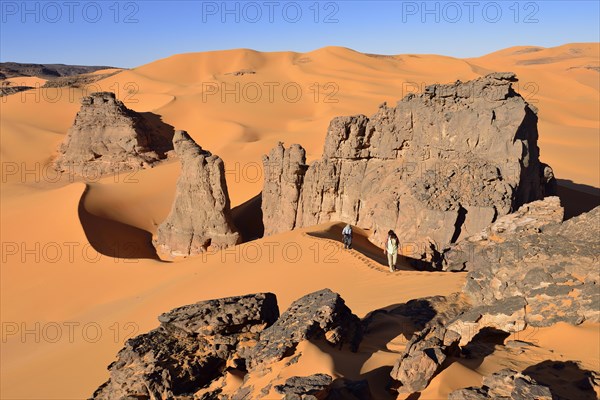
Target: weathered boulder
(323, 387)
(200, 216)
(438, 167)
(305, 387)
(107, 137)
(506, 384)
(423, 357)
(507, 315)
(318, 315)
(192, 347)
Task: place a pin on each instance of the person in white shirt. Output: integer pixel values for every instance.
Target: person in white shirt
(347, 236)
(391, 249)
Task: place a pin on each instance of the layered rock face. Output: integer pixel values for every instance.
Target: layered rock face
(197, 345)
(282, 187)
(108, 137)
(438, 167)
(200, 216)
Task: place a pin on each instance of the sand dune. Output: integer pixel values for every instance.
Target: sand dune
(79, 253)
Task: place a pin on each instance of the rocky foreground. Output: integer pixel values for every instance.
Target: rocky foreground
(198, 348)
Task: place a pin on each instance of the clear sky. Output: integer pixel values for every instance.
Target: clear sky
(131, 33)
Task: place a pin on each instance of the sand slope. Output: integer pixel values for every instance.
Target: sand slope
(77, 258)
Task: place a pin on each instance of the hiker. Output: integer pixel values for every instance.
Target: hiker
(391, 249)
(347, 236)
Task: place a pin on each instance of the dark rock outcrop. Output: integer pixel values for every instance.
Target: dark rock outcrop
(305, 387)
(107, 137)
(506, 384)
(47, 71)
(200, 216)
(528, 268)
(6, 90)
(78, 81)
(323, 387)
(196, 345)
(438, 167)
(540, 278)
(192, 347)
(531, 218)
(423, 357)
(319, 315)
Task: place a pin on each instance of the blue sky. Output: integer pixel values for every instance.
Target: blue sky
(131, 33)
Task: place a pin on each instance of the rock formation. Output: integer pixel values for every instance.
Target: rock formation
(531, 218)
(304, 388)
(438, 167)
(283, 181)
(553, 277)
(505, 384)
(323, 387)
(200, 216)
(423, 357)
(321, 314)
(191, 348)
(528, 268)
(197, 345)
(108, 137)
(542, 273)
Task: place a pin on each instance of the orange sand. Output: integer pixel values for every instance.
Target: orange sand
(53, 277)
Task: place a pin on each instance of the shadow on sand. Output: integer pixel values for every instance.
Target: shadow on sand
(385, 330)
(247, 218)
(577, 198)
(565, 379)
(113, 238)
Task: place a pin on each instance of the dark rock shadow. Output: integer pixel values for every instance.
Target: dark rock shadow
(418, 312)
(483, 344)
(349, 364)
(577, 198)
(159, 134)
(248, 219)
(565, 379)
(113, 238)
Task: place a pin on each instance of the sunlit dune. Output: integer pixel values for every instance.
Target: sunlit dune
(93, 262)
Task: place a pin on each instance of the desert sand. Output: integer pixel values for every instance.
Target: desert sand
(79, 275)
